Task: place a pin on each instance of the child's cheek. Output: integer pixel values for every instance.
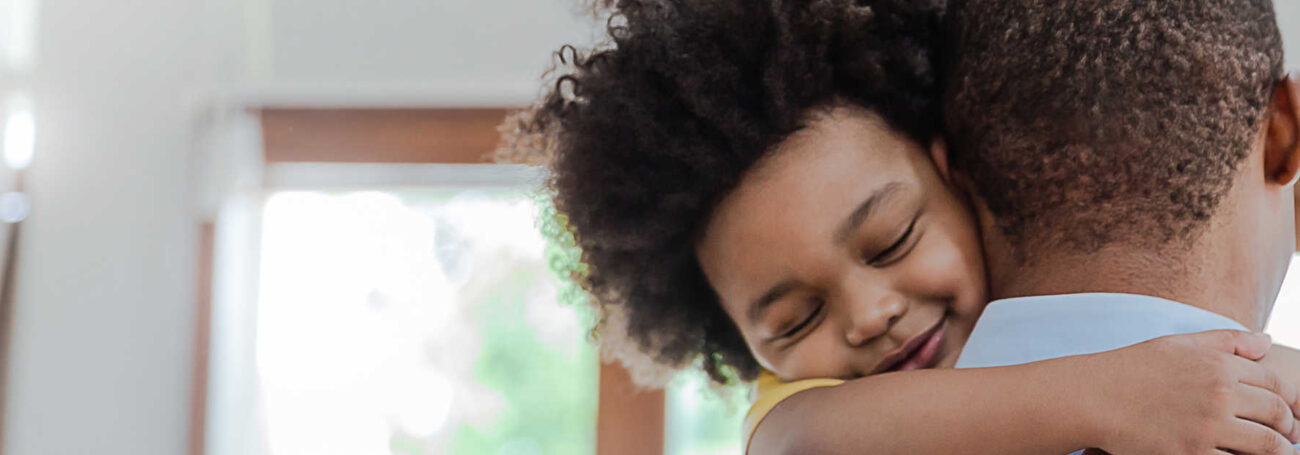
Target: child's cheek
(939, 269)
(820, 355)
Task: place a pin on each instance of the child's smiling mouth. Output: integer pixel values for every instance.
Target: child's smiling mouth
(919, 352)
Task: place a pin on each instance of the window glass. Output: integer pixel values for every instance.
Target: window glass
(417, 321)
(704, 419)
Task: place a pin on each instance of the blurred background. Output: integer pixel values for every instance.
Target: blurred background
(268, 227)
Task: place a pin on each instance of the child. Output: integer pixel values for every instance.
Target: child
(752, 186)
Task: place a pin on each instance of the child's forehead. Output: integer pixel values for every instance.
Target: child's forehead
(836, 141)
(798, 214)
(818, 174)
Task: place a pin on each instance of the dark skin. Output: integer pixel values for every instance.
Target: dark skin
(859, 296)
(1283, 360)
(832, 419)
(1233, 267)
(1256, 239)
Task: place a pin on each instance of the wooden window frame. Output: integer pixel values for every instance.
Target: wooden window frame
(390, 135)
(630, 419)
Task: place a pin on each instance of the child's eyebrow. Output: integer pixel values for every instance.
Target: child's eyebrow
(864, 210)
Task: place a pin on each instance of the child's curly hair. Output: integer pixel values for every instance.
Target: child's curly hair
(645, 136)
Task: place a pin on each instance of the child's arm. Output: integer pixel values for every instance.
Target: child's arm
(1172, 395)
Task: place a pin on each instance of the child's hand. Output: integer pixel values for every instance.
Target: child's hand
(1191, 394)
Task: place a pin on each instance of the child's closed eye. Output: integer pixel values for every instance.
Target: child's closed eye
(810, 317)
(896, 250)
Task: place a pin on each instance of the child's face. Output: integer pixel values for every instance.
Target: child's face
(846, 254)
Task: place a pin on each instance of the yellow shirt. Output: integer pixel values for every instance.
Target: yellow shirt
(770, 391)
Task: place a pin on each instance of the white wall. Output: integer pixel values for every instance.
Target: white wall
(484, 50)
(1288, 19)
(105, 290)
(459, 52)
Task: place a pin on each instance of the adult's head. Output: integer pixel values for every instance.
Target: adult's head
(706, 162)
(1144, 143)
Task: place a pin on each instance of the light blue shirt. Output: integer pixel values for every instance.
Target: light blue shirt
(1030, 329)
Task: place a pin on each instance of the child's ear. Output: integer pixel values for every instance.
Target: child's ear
(959, 182)
(1282, 143)
(939, 155)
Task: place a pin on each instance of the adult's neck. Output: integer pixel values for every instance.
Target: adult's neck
(1211, 273)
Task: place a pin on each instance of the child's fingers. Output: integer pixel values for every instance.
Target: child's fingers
(1252, 346)
(1256, 375)
(1266, 408)
(1246, 437)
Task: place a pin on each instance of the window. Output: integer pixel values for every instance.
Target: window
(417, 321)
(702, 419)
(400, 300)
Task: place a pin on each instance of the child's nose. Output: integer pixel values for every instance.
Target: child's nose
(873, 319)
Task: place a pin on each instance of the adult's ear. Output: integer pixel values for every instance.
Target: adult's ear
(1282, 144)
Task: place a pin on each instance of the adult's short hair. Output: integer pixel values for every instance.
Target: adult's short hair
(1087, 122)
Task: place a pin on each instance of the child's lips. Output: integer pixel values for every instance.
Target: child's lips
(925, 356)
(919, 352)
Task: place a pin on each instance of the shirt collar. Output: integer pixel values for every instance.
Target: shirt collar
(1030, 329)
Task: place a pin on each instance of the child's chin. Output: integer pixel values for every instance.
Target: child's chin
(946, 362)
(948, 357)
